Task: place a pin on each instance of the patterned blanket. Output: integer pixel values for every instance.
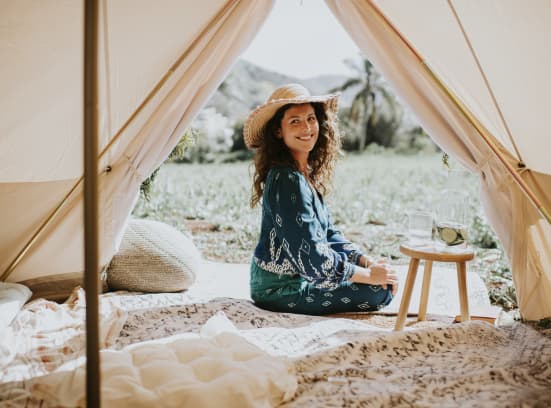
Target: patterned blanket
(342, 362)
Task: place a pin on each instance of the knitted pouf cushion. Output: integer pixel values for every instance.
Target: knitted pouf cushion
(154, 257)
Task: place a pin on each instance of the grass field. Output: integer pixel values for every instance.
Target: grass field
(371, 197)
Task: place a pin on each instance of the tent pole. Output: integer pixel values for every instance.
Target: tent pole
(223, 11)
(91, 270)
(482, 131)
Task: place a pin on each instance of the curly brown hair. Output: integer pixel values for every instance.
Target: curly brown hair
(273, 151)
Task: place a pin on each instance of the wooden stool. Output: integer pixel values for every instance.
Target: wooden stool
(430, 254)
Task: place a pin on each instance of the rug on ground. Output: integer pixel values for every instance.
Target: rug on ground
(347, 362)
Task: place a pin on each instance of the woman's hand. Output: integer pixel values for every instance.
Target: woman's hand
(367, 261)
(379, 273)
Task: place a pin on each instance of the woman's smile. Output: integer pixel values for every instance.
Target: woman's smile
(299, 130)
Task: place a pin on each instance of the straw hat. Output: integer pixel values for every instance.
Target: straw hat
(291, 93)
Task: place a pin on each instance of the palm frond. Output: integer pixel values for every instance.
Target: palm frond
(349, 83)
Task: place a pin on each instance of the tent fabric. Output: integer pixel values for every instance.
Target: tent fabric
(524, 233)
(41, 111)
(41, 108)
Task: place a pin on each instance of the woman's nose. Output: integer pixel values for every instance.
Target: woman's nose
(306, 128)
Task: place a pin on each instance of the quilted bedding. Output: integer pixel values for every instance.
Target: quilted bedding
(337, 362)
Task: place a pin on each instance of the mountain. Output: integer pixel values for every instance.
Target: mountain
(249, 85)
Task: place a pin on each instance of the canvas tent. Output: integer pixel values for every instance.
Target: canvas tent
(159, 64)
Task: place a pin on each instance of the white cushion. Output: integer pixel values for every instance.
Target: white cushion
(216, 368)
(12, 298)
(154, 257)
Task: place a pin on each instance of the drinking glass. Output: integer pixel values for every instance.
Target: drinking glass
(420, 227)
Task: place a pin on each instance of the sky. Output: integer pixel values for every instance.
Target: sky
(302, 38)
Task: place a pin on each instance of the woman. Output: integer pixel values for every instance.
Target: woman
(302, 264)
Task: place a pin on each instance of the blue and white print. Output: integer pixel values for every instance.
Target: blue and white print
(294, 219)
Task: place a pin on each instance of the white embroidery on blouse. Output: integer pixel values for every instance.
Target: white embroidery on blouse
(272, 244)
(293, 264)
(305, 247)
(284, 269)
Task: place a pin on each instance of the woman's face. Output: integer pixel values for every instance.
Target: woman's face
(299, 130)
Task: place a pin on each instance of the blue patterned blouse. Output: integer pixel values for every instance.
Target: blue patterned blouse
(297, 237)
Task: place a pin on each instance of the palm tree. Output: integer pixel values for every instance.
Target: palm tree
(368, 102)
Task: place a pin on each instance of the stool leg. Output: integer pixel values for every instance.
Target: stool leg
(427, 272)
(404, 306)
(462, 282)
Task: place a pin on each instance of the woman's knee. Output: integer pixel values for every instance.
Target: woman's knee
(387, 296)
(379, 297)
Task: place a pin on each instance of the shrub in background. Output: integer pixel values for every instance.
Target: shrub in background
(177, 155)
(213, 136)
(482, 234)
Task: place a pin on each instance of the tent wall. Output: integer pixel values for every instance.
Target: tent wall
(491, 54)
(41, 144)
(525, 235)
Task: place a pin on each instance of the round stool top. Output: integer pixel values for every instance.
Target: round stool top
(433, 253)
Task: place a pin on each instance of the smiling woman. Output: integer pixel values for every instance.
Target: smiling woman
(302, 264)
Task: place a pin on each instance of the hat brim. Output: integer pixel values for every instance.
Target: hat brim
(252, 130)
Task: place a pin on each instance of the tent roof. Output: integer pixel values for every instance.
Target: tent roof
(491, 54)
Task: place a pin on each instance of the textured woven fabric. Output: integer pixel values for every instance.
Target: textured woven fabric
(154, 257)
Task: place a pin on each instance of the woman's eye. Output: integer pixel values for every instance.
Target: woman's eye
(312, 118)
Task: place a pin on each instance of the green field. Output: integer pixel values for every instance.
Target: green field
(369, 203)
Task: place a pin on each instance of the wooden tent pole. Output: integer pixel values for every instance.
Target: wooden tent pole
(91, 270)
(482, 131)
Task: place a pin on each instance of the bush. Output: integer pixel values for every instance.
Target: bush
(383, 131)
(213, 135)
(237, 137)
(482, 234)
(415, 140)
(500, 288)
(176, 155)
(387, 132)
(348, 130)
(237, 156)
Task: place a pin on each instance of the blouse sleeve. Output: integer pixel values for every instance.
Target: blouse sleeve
(339, 243)
(301, 234)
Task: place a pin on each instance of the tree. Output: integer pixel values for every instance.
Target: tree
(371, 100)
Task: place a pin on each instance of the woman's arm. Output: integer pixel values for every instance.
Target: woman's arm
(300, 233)
(340, 244)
